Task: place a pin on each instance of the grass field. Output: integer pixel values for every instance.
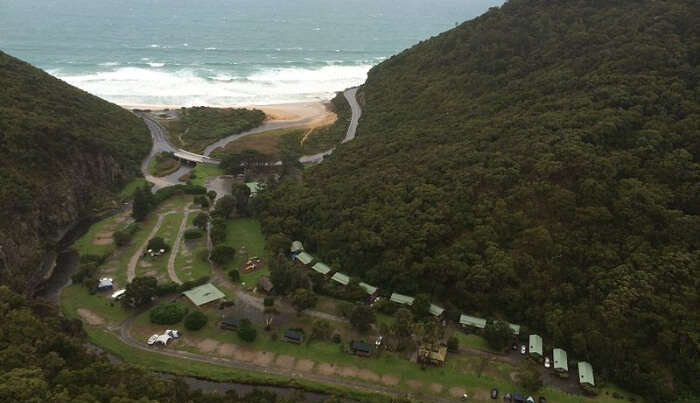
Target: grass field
(76, 296)
(86, 245)
(191, 262)
(158, 266)
(245, 234)
(163, 164)
(128, 190)
(202, 172)
(273, 142)
(473, 341)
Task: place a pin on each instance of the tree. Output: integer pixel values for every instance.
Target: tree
(241, 194)
(224, 207)
(211, 195)
(202, 200)
(421, 306)
(303, 299)
(234, 275)
(195, 320)
(193, 233)
(529, 377)
(218, 231)
(362, 317)
(169, 314)
(404, 322)
(278, 242)
(157, 243)
(140, 291)
(498, 334)
(222, 254)
(321, 329)
(246, 331)
(200, 221)
(143, 202)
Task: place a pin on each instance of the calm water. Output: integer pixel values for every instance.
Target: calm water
(219, 52)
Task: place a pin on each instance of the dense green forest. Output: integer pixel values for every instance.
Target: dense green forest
(61, 148)
(538, 164)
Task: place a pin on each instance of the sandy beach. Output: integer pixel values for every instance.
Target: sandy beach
(299, 114)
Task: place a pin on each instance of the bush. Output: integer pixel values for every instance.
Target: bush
(336, 338)
(123, 236)
(167, 314)
(234, 275)
(269, 301)
(166, 288)
(158, 243)
(193, 233)
(453, 344)
(222, 254)
(195, 320)
(187, 285)
(246, 331)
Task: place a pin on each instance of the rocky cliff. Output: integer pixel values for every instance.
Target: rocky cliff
(63, 149)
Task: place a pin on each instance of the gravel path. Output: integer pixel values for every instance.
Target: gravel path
(131, 269)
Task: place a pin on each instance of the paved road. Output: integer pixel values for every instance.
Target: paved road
(350, 94)
(160, 144)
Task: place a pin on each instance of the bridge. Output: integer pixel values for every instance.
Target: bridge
(193, 158)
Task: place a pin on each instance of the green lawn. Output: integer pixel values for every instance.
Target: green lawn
(473, 341)
(76, 296)
(168, 231)
(85, 245)
(198, 251)
(128, 190)
(202, 172)
(246, 232)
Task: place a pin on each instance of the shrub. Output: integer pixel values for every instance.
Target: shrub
(123, 236)
(234, 275)
(193, 233)
(187, 285)
(453, 344)
(195, 320)
(269, 301)
(157, 243)
(166, 288)
(222, 254)
(167, 314)
(336, 338)
(246, 331)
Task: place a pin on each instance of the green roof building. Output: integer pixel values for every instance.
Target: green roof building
(296, 247)
(321, 268)
(535, 345)
(341, 278)
(254, 187)
(561, 364)
(436, 310)
(369, 289)
(401, 299)
(304, 258)
(473, 321)
(204, 294)
(514, 328)
(585, 374)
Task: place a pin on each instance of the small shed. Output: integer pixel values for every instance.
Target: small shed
(401, 299)
(561, 363)
(105, 284)
(360, 348)
(229, 324)
(254, 187)
(341, 278)
(435, 310)
(295, 336)
(472, 321)
(432, 354)
(265, 285)
(304, 258)
(585, 374)
(369, 289)
(204, 294)
(535, 348)
(296, 247)
(322, 268)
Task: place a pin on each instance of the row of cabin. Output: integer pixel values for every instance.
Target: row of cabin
(401, 299)
(560, 362)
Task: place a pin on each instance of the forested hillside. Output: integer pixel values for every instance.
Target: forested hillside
(540, 164)
(61, 149)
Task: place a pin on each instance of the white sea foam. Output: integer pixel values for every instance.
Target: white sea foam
(189, 87)
(109, 64)
(155, 64)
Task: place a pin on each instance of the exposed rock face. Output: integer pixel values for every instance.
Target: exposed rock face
(62, 151)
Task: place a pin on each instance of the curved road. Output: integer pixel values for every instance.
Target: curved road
(176, 245)
(161, 143)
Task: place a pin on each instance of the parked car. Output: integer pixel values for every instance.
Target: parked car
(494, 393)
(523, 349)
(378, 342)
(515, 346)
(547, 362)
(152, 339)
(465, 396)
(542, 399)
(530, 399)
(175, 334)
(507, 397)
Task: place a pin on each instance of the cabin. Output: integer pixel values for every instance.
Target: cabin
(203, 295)
(535, 346)
(471, 322)
(432, 354)
(229, 324)
(295, 336)
(401, 299)
(321, 268)
(296, 247)
(254, 188)
(514, 328)
(341, 278)
(304, 258)
(585, 375)
(105, 284)
(560, 365)
(360, 348)
(265, 285)
(369, 289)
(436, 311)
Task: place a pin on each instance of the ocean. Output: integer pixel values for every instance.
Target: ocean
(220, 52)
